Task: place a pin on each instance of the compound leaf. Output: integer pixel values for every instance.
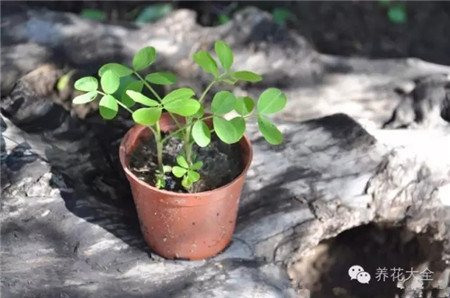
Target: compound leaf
(201, 134)
(86, 84)
(144, 58)
(108, 107)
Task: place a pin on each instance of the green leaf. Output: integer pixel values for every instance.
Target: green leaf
(64, 80)
(186, 182)
(200, 112)
(86, 84)
(147, 116)
(119, 69)
(229, 131)
(246, 76)
(223, 19)
(142, 99)
(397, 14)
(134, 86)
(223, 102)
(230, 81)
(201, 134)
(177, 94)
(167, 169)
(161, 78)
(193, 176)
(197, 165)
(181, 160)
(153, 13)
(272, 100)
(183, 106)
(85, 98)
(269, 131)
(110, 82)
(144, 58)
(206, 62)
(281, 15)
(244, 105)
(224, 54)
(108, 107)
(160, 181)
(178, 171)
(93, 14)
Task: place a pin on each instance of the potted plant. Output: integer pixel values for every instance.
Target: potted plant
(175, 154)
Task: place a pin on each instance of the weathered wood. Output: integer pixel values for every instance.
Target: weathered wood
(427, 106)
(69, 228)
(317, 85)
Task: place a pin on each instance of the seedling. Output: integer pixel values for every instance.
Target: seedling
(122, 86)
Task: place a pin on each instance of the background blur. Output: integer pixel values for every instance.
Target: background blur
(375, 29)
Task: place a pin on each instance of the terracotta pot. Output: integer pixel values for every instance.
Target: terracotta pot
(184, 225)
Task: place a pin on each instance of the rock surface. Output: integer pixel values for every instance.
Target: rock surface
(69, 228)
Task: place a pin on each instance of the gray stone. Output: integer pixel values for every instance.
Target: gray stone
(69, 227)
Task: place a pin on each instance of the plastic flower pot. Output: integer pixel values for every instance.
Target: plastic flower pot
(184, 225)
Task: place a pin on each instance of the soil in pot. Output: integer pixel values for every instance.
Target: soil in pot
(222, 163)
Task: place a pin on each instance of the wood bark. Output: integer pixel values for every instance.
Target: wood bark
(69, 228)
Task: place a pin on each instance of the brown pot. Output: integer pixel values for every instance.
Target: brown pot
(184, 225)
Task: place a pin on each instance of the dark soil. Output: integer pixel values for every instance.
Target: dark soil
(222, 163)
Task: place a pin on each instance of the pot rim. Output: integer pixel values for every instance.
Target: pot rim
(244, 141)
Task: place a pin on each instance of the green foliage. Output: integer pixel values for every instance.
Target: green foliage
(281, 15)
(246, 76)
(269, 131)
(119, 69)
(142, 99)
(187, 172)
(153, 13)
(201, 133)
(144, 58)
(229, 131)
(131, 85)
(223, 19)
(396, 11)
(244, 105)
(85, 98)
(86, 84)
(224, 54)
(223, 102)
(64, 80)
(271, 101)
(161, 78)
(205, 61)
(397, 14)
(121, 81)
(147, 116)
(110, 82)
(108, 107)
(182, 106)
(93, 14)
(179, 94)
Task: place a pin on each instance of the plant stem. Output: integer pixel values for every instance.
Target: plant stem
(149, 87)
(119, 103)
(202, 97)
(124, 106)
(159, 147)
(185, 127)
(187, 144)
(217, 79)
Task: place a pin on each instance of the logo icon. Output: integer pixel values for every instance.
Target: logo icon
(357, 272)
